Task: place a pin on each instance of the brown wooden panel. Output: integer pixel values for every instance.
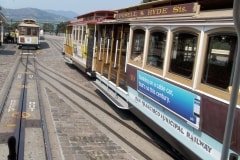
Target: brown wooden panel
(213, 121)
(132, 76)
(213, 117)
(236, 143)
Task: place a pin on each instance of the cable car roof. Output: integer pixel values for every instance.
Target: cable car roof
(205, 4)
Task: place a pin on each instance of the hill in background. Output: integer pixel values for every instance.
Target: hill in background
(68, 14)
(42, 16)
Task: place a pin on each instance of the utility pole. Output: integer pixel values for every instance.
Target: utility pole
(235, 87)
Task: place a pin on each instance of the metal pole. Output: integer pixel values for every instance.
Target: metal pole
(235, 87)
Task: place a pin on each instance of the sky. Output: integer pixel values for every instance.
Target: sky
(77, 6)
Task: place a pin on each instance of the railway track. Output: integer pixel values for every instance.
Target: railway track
(56, 45)
(75, 93)
(22, 119)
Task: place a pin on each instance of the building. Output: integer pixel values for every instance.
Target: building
(2, 21)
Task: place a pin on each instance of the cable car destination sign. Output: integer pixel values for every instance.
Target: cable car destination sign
(161, 11)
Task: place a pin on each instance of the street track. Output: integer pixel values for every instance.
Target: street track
(83, 93)
(22, 115)
(55, 43)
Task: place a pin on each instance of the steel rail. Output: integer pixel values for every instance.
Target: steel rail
(164, 146)
(43, 117)
(20, 125)
(8, 85)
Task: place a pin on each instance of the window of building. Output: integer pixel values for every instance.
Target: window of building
(156, 51)
(183, 53)
(138, 45)
(219, 62)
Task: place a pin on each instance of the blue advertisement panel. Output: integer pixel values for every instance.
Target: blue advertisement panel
(183, 103)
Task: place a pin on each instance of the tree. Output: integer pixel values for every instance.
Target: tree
(48, 27)
(10, 27)
(61, 27)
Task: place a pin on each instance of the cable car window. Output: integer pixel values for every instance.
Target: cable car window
(183, 53)
(34, 31)
(80, 34)
(22, 30)
(219, 62)
(28, 31)
(74, 37)
(77, 34)
(138, 45)
(84, 35)
(156, 51)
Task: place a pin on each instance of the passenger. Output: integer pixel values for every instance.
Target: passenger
(16, 35)
(6, 38)
(12, 37)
